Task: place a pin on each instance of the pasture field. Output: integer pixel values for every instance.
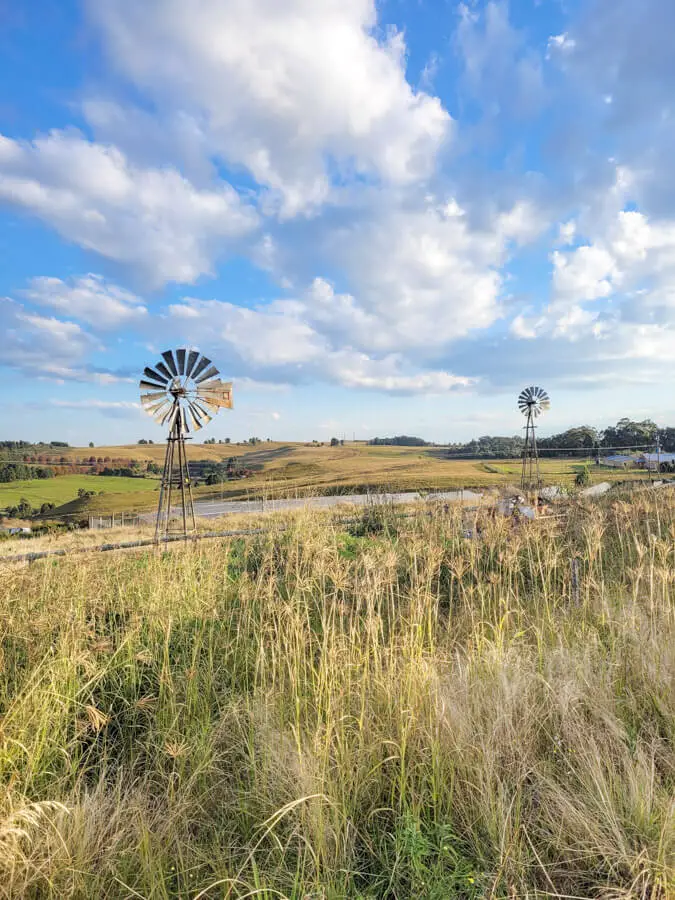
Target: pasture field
(281, 470)
(65, 487)
(381, 710)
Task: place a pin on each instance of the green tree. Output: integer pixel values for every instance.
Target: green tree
(583, 477)
(24, 508)
(628, 434)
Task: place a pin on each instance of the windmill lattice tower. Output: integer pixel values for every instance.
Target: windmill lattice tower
(182, 392)
(532, 402)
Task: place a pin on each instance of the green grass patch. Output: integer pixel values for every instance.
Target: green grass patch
(65, 487)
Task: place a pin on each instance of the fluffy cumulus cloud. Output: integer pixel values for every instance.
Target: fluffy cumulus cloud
(153, 220)
(45, 346)
(290, 91)
(619, 288)
(282, 342)
(421, 277)
(89, 299)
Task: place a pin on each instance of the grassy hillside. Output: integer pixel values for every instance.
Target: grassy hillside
(390, 712)
(298, 470)
(65, 487)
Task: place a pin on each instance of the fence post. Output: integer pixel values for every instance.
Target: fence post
(575, 581)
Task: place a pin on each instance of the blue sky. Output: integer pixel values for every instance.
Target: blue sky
(376, 218)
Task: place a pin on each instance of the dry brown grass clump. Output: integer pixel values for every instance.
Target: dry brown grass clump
(390, 711)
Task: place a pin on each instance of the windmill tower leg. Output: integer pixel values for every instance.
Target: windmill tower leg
(164, 505)
(187, 502)
(535, 454)
(531, 475)
(175, 476)
(526, 455)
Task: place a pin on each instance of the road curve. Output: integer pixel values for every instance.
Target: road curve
(212, 509)
(209, 509)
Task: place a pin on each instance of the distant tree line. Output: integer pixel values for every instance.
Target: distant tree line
(27, 445)
(489, 447)
(400, 440)
(595, 442)
(21, 472)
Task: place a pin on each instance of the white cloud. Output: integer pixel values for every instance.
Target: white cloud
(499, 68)
(627, 273)
(524, 327)
(560, 43)
(358, 370)
(288, 90)
(89, 299)
(280, 338)
(585, 274)
(421, 277)
(153, 220)
(567, 232)
(120, 405)
(269, 336)
(43, 346)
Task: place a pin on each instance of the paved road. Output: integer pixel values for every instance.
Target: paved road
(212, 508)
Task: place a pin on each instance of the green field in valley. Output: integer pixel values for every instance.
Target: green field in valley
(65, 487)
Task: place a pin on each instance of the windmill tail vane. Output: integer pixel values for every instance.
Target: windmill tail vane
(532, 402)
(183, 392)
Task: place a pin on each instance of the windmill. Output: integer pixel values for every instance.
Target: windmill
(532, 402)
(182, 392)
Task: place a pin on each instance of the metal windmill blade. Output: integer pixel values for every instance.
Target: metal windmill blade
(195, 416)
(201, 365)
(211, 372)
(170, 361)
(163, 369)
(158, 409)
(193, 356)
(202, 414)
(155, 376)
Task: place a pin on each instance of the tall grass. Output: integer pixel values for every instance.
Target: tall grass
(396, 711)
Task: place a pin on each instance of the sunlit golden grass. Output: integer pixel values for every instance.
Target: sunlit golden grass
(387, 710)
(296, 470)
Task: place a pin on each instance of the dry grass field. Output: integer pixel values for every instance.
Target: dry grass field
(381, 710)
(299, 470)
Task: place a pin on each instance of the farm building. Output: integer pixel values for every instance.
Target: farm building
(665, 462)
(618, 461)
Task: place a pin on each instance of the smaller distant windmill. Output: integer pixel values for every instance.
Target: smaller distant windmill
(181, 391)
(532, 402)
